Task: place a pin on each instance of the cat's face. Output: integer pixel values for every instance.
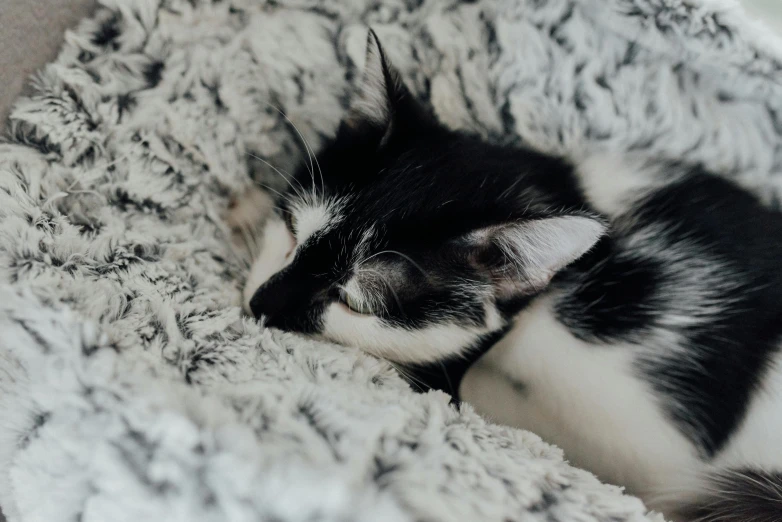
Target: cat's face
(407, 240)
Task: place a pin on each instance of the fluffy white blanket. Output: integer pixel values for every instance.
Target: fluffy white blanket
(131, 386)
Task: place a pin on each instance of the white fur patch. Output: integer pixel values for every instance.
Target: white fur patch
(420, 345)
(613, 182)
(312, 218)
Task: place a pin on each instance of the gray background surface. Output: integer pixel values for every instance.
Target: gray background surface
(31, 33)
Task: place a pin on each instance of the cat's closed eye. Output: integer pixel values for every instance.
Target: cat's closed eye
(355, 303)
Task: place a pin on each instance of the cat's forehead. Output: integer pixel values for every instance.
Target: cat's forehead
(394, 200)
(316, 215)
(337, 220)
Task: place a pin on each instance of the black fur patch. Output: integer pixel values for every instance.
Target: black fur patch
(610, 294)
(727, 357)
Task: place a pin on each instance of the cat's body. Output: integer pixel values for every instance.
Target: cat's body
(655, 359)
(630, 309)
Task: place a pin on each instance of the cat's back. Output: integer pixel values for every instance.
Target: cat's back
(654, 360)
(678, 223)
(689, 275)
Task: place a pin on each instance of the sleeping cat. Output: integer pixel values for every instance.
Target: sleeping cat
(627, 310)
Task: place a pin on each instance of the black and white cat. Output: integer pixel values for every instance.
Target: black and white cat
(627, 310)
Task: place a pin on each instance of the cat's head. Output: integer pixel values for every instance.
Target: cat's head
(411, 241)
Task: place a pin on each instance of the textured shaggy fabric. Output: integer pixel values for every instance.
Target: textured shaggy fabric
(131, 386)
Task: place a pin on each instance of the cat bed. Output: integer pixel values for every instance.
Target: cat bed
(133, 388)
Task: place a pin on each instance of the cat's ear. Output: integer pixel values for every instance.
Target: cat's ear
(521, 257)
(382, 98)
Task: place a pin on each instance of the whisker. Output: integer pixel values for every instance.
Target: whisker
(310, 151)
(281, 174)
(272, 189)
(311, 168)
(415, 381)
(235, 249)
(454, 392)
(243, 262)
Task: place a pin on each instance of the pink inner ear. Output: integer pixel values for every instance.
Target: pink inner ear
(519, 282)
(521, 257)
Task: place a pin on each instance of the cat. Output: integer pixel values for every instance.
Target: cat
(625, 309)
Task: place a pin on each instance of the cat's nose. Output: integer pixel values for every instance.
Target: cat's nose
(284, 303)
(269, 304)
